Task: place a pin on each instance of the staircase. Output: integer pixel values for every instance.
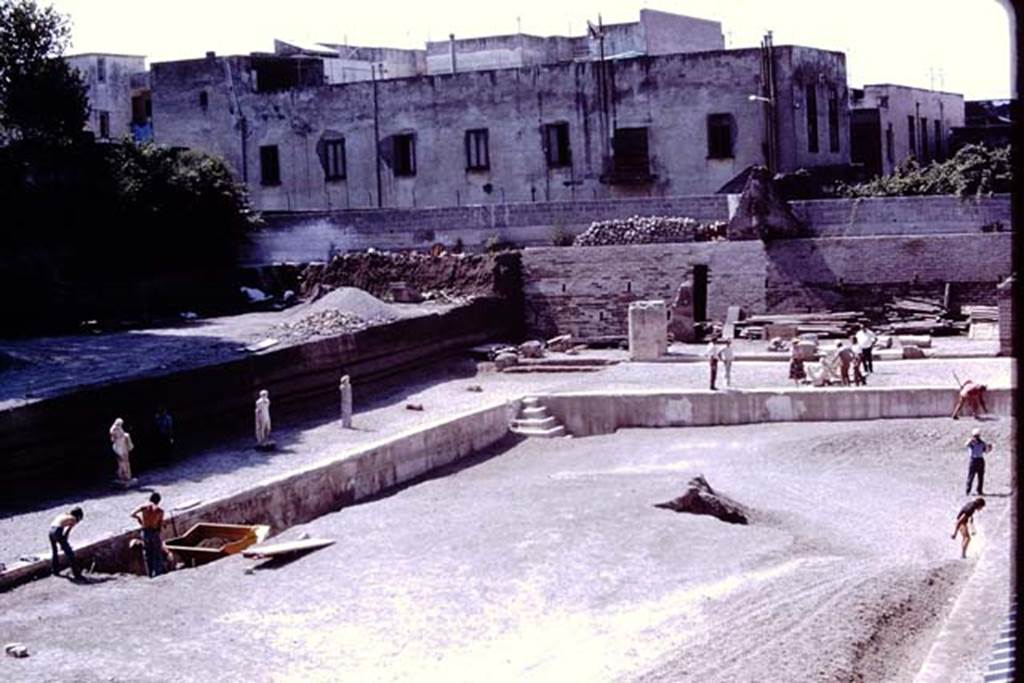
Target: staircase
(534, 420)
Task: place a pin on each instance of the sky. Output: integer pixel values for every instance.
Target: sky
(955, 45)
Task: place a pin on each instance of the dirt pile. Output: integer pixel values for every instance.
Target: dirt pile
(446, 277)
(701, 499)
(649, 230)
(346, 309)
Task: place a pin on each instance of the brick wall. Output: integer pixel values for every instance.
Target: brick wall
(586, 290)
(904, 215)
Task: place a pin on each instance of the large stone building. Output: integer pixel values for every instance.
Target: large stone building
(667, 111)
(892, 123)
(118, 90)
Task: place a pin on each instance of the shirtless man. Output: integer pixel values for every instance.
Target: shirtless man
(973, 395)
(60, 528)
(150, 517)
(964, 519)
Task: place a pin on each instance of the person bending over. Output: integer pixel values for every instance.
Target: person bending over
(964, 519)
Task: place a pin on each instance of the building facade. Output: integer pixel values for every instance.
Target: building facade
(630, 125)
(118, 91)
(893, 123)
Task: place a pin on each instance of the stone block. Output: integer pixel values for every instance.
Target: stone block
(648, 330)
(913, 352)
(783, 331)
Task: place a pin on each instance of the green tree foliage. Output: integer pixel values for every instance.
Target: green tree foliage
(973, 171)
(41, 97)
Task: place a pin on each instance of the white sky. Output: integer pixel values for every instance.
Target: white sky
(956, 45)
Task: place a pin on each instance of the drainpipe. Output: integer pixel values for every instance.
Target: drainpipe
(451, 49)
(376, 133)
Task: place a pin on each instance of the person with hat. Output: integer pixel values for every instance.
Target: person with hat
(976, 449)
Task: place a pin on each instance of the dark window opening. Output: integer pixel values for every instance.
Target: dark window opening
(333, 159)
(478, 153)
(720, 135)
(105, 125)
(101, 69)
(630, 153)
(404, 154)
(700, 293)
(812, 119)
(204, 100)
(283, 73)
(833, 120)
(890, 144)
(142, 108)
(911, 136)
(556, 145)
(270, 165)
(924, 139)
(938, 139)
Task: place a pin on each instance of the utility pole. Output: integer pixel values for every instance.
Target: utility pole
(374, 69)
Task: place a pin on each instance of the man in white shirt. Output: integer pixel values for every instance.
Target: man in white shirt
(866, 340)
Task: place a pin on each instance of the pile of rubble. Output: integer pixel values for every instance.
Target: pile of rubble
(918, 315)
(649, 230)
(507, 356)
(324, 323)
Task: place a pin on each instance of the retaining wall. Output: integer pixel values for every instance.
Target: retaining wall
(315, 490)
(311, 235)
(63, 440)
(589, 413)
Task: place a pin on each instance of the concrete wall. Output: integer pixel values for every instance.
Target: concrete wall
(586, 291)
(309, 236)
(112, 95)
(63, 439)
(590, 413)
(316, 490)
(670, 95)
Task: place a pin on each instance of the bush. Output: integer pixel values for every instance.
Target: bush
(974, 170)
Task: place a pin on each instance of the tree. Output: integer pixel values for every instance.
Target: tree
(42, 99)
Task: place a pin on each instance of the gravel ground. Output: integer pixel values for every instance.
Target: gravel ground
(548, 561)
(234, 465)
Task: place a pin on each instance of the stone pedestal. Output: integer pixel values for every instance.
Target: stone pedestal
(648, 330)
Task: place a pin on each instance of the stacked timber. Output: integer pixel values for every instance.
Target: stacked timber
(841, 324)
(917, 315)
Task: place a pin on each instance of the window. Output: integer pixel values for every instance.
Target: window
(833, 120)
(890, 153)
(720, 129)
(478, 156)
(404, 154)
(333, 159)
(938, 139)
(204, 100)
(629, 147)
(924, 139)
(105, 125)
(812, 119)
(101, 69)
(270, 165)
(556, 145)
(911, 136)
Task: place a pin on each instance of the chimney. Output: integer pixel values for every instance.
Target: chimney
(451, 45)
(211, 54)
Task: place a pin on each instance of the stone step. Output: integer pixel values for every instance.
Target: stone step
(543, 433)
(532, 402)
(536, 423)
(534, 412)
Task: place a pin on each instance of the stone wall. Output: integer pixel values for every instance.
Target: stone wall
(311, 236)
(586, 290)
(62, 440)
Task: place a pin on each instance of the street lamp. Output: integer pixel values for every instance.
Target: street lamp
(759, 98)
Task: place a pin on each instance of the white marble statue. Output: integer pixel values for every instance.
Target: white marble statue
(121, 443)
(263, 419)
(345, 387)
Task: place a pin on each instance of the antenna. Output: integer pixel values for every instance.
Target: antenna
(519, 24)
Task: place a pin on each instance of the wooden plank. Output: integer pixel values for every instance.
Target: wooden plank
(286, 548)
